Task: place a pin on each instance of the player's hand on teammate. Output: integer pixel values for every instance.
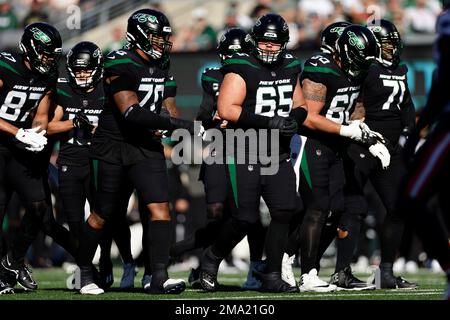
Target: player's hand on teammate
(287, 125)
(359, 131)
(33, 138)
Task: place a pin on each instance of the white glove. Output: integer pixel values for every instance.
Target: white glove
(352, 131)
(32, 138)
(370, 133)
(379, 150)
(35, 149)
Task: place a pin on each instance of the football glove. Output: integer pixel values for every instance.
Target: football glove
(287, 125)
(379, 150)
(32, 138)
(359, 131)
(81, 121)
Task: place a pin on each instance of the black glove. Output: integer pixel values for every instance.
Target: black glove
(287, 126)
(81, 121)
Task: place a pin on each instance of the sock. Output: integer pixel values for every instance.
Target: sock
(256, 238)
(391, 237)
(347, 241)
(160, 238)
(275, 245)
(122, 236)
(310, 233)
(88, 245)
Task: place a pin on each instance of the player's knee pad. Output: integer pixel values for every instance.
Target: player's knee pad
(214, 211)
(282, 215)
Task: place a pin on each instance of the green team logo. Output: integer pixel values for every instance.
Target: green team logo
(40, 35)
(143, 17)
(355, 41)
(337, 30)
(375, 29)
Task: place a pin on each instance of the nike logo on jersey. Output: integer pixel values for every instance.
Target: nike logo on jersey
(313, 63)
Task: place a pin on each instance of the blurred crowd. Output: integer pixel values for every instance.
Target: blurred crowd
(306, 18)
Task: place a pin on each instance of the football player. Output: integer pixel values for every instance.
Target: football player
(79, 101)
(126, 146)
(331, 85)
(26, 83)
(214, 175)
(260, 90)
(390, 111)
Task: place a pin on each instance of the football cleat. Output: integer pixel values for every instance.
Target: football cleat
(286, 270)
(208, 281)
(310, 282)
(389, 281)
(92, 289)
(21, 273)
(209, 266)
(252, 283)
(170, 286)
(146, 281)
(345, 280)
(272, 282)
(194, 278)
(106, 276)
(129, 273)
(5, 287)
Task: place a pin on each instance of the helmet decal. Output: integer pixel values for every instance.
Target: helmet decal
(355, 41)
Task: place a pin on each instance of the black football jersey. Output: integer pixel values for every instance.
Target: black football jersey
(211, 81)
(74, 144)
(387, 100)
(341, 94)
(170, 88)
(22, 90)
(149, 81)
(269, 88)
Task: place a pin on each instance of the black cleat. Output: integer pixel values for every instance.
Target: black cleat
(104, 278)
(194, 278)
(162, 284)
(345, 280)
(21, 273)
(208, 281)
(5, 287)
(392, 282)
(272, 282)
(209, 266)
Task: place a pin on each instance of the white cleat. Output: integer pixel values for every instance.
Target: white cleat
(310, 282)
(287, 275)
(91, 288)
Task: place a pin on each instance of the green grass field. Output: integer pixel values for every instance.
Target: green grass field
(52, 286)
